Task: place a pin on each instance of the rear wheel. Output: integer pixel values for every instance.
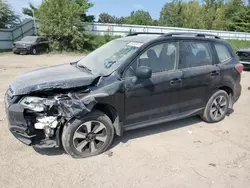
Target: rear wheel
(217, 107)
(89, 136)
(47, 50)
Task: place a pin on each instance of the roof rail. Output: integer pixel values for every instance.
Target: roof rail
(144, 33)
(190, 33)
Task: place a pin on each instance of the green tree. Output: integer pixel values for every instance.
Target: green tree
(139, 17)
(171, 14)
(121, 20)
(86, 5)
(191, 15)
(29, 11)
(209, 12)
(106, 18)
(84, 17)
(61, 21)
(220, 22)
(238, 15)
(7, 16)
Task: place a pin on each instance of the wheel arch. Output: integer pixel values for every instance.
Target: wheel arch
(230, 93)
(112, 113)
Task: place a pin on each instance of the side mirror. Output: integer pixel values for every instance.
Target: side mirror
(143, 72)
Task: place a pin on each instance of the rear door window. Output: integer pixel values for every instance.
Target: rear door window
(222, 52)
(196, 54)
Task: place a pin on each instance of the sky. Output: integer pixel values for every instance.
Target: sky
(113, 7)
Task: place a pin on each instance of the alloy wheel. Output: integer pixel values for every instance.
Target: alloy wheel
(219, 107)
(89, 137)
(34, 51)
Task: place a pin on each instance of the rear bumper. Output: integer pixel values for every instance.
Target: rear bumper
(237, 92)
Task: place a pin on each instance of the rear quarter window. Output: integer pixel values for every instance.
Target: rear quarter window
(222, 52)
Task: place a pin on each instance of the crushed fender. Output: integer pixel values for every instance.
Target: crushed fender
(74, 105)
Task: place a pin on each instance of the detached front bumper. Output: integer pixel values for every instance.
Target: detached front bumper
(24, 131)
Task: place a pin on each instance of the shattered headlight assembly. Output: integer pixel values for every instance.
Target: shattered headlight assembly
(34, 103)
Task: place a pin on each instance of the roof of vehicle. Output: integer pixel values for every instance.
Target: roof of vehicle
(145, 37)
(139, 38)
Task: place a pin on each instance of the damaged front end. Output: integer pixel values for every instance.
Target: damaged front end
(38, 121)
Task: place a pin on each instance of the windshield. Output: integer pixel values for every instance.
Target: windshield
(109, 57)
(29, 39)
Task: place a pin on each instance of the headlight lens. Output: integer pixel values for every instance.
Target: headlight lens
(33, 103)
(27, 46)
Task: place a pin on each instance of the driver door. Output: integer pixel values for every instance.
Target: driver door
(156, 97)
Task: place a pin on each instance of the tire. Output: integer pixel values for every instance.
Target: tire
(33, 51)
(88, 136)
(217, 107)
(47, 50)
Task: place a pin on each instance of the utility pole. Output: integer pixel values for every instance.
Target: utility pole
(34, 19)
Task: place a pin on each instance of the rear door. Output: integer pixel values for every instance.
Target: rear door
(200, 74)
(39, 46)
(157, 97)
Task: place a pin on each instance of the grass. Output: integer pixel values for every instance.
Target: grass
(238, 44)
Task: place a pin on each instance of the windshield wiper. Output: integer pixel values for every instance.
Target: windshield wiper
(85, 68)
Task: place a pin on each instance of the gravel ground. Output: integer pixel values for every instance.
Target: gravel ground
(186, 153)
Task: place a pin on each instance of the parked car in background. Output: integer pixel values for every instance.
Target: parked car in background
(244, 57)
(129, 83)
(31, 45)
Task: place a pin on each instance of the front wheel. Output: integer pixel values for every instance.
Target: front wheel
(89, 136)
(33, 51)
(217, 107)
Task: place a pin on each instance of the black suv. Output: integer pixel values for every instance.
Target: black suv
(129, 83)
(31, 45)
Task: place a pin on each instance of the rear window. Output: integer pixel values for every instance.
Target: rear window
(222, 52)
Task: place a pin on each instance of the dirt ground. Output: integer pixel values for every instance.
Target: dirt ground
(185, 153)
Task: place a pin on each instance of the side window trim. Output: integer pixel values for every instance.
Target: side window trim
(147, 48)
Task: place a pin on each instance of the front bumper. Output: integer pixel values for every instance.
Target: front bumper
(21, 50)
(24, 131)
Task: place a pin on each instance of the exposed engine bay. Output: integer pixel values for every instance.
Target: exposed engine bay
(48, 114)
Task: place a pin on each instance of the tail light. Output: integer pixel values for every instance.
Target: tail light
(239, 67)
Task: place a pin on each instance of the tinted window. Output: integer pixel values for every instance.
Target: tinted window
(222, 52)
(160, 57)
(29, 39)
(41, 40)
(196, 54)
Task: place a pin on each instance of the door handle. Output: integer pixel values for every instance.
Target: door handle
(175, 81)
(214, 73)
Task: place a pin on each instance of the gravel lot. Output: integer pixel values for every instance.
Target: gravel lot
(186, 153)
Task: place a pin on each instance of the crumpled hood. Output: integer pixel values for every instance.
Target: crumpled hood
(64, 76)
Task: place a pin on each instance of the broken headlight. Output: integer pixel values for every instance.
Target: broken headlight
(34, 103)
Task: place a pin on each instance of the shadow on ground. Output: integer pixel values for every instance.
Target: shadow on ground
(130, 135)
(50, 151)
(155, 129)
